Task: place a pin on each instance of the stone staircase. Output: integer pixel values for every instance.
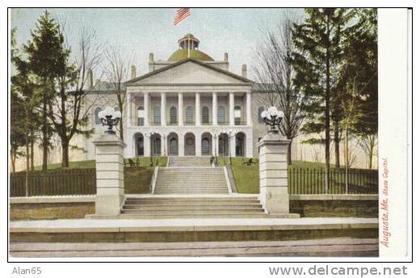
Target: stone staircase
(188, 161)
(190, 175)
(226, 206)
(186, 180)
(190, 188)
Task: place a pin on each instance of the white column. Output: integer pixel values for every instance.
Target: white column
(232, 145)
(162, 146)
(147, 147)
(197, 109)
(129, 110)
(163, 109)
(181, 143)
(146, 108)
(180, 109)
(216, 144)
(198, 144)
(248, 109)
(231, 108)
(214, 111)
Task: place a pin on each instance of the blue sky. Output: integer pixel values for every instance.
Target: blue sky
(137, 32)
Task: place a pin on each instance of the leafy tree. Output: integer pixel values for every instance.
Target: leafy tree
(275, 75)
(359, 81)
(45, 56)
(316, 59)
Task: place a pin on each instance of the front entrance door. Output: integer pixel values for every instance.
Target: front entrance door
(173, 146)
(189, 144)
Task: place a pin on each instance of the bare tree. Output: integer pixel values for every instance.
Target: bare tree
(69, 111)
(116, 71)
(274, 72)
(368, 143)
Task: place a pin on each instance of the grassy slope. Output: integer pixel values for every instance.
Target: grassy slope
(137, 179)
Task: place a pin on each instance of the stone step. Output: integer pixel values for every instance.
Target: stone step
(177, 202)
(175, 192)
(175, 161)
(171, 210)
(191, 200)
(188, 206)
(186, 214)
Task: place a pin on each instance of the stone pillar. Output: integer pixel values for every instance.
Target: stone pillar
(214, 110)
(162, 146)
(180, 109)
(231, 109)
(232, 145)
(147, 146)
(216, 145)
(248, 109)
(274, 195)
(197, 109)
(109, 175)
(198, 144)
(181, 143)
(163, 109)
(146, 108)
(129, 110)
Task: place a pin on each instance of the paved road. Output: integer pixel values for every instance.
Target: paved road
(331, 247)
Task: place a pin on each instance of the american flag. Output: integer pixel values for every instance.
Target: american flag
(181, 14)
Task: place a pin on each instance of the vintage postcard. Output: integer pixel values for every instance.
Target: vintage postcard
(228, 134)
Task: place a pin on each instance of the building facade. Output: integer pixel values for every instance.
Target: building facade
(188, 105)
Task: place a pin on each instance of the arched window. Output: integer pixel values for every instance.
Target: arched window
(237, 114)
(260, 110)
(173, 115)
(97, 120)
(221, 115)
(205, 118)
(156, 114)
(140, 115)
(189, 115)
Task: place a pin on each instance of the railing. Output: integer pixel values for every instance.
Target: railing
(313, 181)
(54, 182)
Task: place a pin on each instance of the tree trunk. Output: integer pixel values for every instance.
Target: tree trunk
(120, 105)
(32, 151)
(27, 167)
(289, 153)
(337, 144)
(44, 133)
(327, 117)
(346, 159)
(65, 153)
(13, 161)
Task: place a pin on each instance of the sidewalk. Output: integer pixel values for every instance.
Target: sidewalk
(168, 225)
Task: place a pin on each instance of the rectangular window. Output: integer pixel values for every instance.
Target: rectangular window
(140, 121)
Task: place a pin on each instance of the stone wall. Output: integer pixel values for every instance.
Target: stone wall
(37, 211)
(307, 206)
(334, 205)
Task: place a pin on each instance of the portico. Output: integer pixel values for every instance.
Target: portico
(207, 114)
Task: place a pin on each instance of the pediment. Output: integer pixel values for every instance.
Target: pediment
(188, 72)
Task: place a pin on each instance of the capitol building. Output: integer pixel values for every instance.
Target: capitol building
(187, 105)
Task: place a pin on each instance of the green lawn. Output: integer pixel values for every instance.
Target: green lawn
(246, 176)
(83, 164)
(304, 177)
(137, 178)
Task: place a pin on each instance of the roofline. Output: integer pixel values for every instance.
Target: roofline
(233, 75)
